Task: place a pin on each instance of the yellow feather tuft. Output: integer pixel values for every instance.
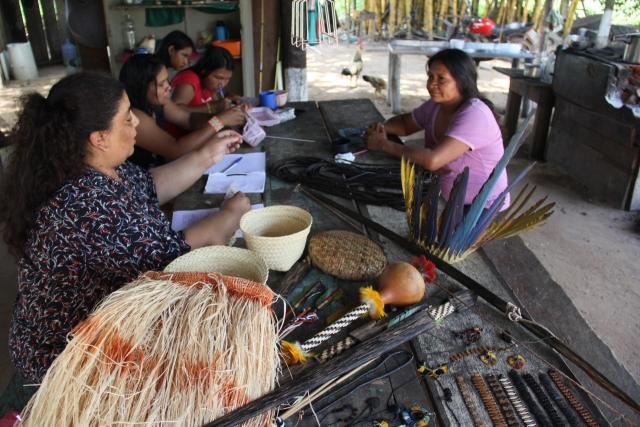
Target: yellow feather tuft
(292, 353)
(374, 301)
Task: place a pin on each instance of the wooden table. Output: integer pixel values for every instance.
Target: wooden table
(397, 48)
(399, 383)
(541, 93)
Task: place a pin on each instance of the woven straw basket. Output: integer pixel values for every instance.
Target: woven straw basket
(277, 233)
(226, 260)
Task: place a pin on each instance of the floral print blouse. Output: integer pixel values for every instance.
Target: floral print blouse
(92, 237)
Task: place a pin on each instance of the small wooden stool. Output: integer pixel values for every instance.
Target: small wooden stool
(537, 91)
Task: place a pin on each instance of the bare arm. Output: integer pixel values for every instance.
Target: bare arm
(183, 94)
(402, 125)
(431, 159)
(217, 229)
(152, 138)
(175, 177)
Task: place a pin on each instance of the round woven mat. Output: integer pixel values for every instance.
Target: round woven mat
(346, 255)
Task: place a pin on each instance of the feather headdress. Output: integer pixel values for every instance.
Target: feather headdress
(454, 234)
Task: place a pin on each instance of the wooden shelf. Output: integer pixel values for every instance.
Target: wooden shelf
(193, 4)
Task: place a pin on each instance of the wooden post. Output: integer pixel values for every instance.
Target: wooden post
(393, 94)
(294, 59)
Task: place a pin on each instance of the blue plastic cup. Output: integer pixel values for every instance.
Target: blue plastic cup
(268, 99)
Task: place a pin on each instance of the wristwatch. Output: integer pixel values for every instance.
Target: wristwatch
(216, 123)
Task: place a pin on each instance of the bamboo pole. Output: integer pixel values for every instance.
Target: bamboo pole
(379, 10)
(454, 12)
(571, 16)
(511, 10)
(502, 11)
(563, 8)
(444, 7)
(427, 19)
(537, 12)
(475, 4)
(525, 15)
(392, 17)
(407, 15)
(490, 6)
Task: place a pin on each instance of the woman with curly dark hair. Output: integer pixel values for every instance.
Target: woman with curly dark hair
(83, 221)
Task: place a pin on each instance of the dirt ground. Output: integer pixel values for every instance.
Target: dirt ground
(590, 249)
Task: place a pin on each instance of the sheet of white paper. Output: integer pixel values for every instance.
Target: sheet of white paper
(183, 219)
(219, 183)
(251, 162)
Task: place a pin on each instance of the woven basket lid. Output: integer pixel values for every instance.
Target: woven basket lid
(226, 260)
(346, 255)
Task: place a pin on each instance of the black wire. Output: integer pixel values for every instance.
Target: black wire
(375, 184)
(446, 403)
(386, 374)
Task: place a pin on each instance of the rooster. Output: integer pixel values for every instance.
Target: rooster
(378, 84)
(356, 67)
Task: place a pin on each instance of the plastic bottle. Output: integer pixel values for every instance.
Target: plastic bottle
(69, 54)
(221, 31)
(129, 34)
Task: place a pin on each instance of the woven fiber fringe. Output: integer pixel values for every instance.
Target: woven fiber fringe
(169, 348)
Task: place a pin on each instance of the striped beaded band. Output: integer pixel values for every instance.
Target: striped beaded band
(336, 349)
(503, 401)
(561, 403)
(556, 420)
(488, 400)
(584, 413)
(518, 404)
(535, 409)
(469, 402)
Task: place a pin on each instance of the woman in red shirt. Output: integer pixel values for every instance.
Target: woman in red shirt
(201, 87)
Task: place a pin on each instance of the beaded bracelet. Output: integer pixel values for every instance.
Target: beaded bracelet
(573, 401)
(469, 402)
(556, 420)
(518, 404)
(535, 409)
(488, 400)
(561, 403)
(503, 401)
(216, 123)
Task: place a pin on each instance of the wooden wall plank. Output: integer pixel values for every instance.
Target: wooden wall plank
(36, 31)
(614, 140)
(54, 38)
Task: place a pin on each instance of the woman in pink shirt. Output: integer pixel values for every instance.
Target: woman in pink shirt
(460, 129)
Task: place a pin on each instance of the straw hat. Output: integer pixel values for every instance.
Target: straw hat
(227, 260)
(277, 233)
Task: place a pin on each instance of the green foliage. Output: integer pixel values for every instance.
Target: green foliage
(625, 12)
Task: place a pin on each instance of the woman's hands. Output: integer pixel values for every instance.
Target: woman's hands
(224, 142)
(232, 117)
(239, 204)
(376, 137)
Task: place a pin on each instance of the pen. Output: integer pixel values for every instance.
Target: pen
(233, 163)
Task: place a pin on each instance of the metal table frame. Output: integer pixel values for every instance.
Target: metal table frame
(397, 48)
